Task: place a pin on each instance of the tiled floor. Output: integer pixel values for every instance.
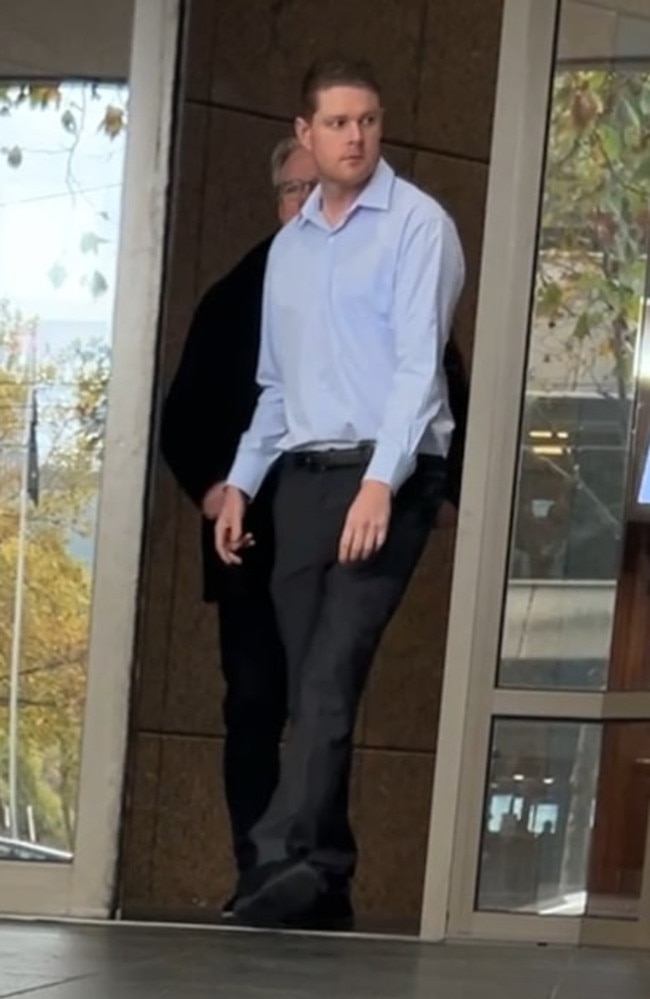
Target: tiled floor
(125, 962)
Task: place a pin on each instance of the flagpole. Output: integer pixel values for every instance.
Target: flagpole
(16, 635)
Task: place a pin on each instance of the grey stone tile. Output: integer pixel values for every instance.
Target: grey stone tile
(107, 990)
(131, 962)
(597, 973)
(277, 989)
(609, 962)
(597, 989)
(630, 980)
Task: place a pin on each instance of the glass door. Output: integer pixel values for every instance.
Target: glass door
(618, 876)
(61, 179)
(553, 832)
(72, 333)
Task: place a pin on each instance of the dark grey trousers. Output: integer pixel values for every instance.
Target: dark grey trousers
(331, 618)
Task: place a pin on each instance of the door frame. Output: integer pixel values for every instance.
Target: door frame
(498, 365)
(470, 698)
(84, 888)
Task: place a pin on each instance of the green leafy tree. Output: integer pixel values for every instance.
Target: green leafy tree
(57, 582)
(595, 228)
(589, 294)
(72, 397)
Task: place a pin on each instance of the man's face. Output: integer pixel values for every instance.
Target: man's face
(344, 135)
(297, 180)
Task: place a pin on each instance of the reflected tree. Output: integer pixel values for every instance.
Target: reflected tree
(77, 108)
(58, 579)
(595, 228)
(590, 293)
(590, 290)
(72, 388)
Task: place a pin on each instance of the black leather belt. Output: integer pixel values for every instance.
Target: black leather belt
(322, 461)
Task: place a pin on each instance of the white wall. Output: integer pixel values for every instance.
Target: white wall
(55, 38)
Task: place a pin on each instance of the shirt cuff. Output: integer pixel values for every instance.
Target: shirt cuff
(248, 473)
(390, 465)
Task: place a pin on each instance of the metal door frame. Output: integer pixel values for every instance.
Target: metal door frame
(84, 888)
(470, 698)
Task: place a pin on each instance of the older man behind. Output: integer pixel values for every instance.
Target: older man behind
(209, 405)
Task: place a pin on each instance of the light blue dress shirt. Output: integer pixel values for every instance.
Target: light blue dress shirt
(354, 326)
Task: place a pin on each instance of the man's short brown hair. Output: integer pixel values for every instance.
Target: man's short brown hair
(335, 71)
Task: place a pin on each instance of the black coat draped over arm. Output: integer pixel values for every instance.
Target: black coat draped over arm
(213, 395)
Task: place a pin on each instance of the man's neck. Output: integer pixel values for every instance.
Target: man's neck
(336, 201)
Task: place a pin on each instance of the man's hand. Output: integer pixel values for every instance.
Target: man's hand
(213, 501)
(366, 524)
(229, 535)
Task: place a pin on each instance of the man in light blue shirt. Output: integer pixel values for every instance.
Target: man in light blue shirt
(359, 296)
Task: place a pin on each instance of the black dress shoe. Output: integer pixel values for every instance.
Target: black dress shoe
(331, 913)
(288, 892)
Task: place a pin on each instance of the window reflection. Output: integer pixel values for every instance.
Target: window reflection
(566, 818)
(61, 162)
(538, 817)
(590, 290)
(566, 825)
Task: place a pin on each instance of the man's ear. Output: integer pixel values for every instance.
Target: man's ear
(303, 132)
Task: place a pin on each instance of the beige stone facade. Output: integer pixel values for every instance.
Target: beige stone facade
(240, 70)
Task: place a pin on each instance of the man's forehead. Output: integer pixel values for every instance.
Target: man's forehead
(299, 162)
(347, 100)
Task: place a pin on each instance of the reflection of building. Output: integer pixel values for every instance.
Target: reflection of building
(536, 746)
(571, 486)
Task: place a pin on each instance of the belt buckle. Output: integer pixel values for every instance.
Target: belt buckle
(310, 461)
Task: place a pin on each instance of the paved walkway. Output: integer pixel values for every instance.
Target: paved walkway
(41, 961)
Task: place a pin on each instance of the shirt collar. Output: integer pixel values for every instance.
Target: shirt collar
(375, 195)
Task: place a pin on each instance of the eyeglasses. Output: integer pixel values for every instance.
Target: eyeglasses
(296, 188)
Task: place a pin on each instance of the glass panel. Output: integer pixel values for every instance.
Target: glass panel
(566, 819)
(590, 289)
(538, 817)
(61, 162)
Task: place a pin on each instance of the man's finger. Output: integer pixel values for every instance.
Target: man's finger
(225, 531)
(221, 532)
(374, 539)
(370, 543)
(232, 556)
(380, 537)
(345, 542)
(361, 537)
(228, 545)
(355, 539)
